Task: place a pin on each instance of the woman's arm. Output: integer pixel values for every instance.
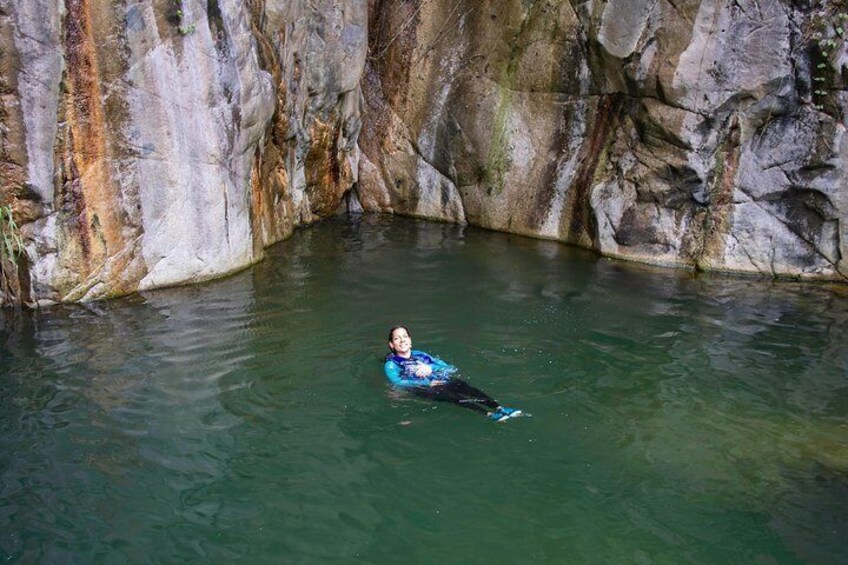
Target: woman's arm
(442, 367)
(395, 374)
(435, 364)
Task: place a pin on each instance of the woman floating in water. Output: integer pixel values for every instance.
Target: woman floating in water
(430, 377)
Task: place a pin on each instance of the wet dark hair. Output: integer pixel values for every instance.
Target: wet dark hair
(392, 331)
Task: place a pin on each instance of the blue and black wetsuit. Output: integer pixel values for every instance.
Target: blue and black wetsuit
(401, 373)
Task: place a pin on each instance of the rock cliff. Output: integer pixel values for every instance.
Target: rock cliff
(146, 144)
(704, 134)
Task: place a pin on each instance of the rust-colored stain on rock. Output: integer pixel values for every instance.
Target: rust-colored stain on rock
(271, 207)
(712, 224)
(271, 217)
(392, 40)
(90, 199)
(580, 226)
(327, 172)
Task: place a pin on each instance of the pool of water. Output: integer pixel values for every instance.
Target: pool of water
(675, 418)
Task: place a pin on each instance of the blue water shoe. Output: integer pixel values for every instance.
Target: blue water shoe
(503, 413)
(498, 415)
(511, 412)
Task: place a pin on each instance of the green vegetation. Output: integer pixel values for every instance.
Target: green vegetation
(183, 27)
(830, 39)
(11, 247)
(535, 27)
(498, 159)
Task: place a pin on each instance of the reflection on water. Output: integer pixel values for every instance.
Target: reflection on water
(676, 418)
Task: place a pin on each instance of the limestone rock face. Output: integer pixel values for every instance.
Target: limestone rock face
(702, 134)
(147, 144)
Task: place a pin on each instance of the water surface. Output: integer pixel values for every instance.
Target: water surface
(676, 418)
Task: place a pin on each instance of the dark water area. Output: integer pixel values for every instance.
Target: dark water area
(675, 418)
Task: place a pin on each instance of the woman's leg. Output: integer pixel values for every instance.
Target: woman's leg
(461, 393)
(472, 394)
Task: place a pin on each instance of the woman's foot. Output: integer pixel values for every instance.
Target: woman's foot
(503, 413)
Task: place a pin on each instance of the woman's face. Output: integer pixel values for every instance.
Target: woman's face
(401, 343)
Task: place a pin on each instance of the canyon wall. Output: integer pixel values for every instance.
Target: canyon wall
(701, 134)
(147, 144)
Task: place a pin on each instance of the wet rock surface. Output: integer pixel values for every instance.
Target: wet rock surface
(150, 144)
(687, 134)
(160, 143)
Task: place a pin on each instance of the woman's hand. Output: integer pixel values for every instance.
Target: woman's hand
(423, 371)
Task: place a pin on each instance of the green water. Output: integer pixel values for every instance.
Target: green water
(675, 418)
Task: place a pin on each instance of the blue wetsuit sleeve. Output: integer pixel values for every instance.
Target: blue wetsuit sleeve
(403, 378)
(394, 373)
(441, 369)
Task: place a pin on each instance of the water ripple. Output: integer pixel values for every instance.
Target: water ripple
(676, 418)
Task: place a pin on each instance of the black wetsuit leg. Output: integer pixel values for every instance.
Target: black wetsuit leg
(461, 393)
